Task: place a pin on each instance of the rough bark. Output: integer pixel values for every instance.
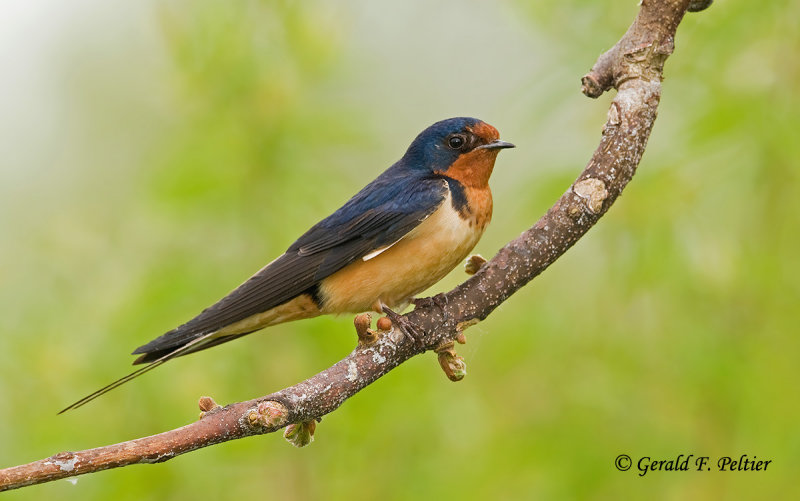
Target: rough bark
(634, 67)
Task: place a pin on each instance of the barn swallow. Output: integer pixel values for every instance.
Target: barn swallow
(395, 238)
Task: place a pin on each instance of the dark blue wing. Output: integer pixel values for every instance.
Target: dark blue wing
(379, 215)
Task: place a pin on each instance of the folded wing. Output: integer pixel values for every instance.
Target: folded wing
(379, 215)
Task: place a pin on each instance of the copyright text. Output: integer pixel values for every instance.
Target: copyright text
(691, 462)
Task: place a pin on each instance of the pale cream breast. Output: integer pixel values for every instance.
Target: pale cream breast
(414, 263)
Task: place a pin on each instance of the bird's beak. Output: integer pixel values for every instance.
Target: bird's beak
(496, 145)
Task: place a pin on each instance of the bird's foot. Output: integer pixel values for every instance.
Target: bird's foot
(440, 300)
(407, 327)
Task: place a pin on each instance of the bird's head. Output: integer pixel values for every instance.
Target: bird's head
(462, 148)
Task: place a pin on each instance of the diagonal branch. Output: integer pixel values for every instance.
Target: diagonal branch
(634, 67)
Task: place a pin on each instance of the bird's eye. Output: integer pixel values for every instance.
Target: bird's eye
(456, 142)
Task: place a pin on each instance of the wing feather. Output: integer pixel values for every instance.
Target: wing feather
(381, 214)
(378, 216)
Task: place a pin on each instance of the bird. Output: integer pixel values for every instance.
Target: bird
(399, 235)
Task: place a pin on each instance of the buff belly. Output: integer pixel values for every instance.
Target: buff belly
(411, 265)
(303, 306)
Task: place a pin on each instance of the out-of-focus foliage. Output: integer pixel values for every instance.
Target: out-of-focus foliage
(155, 154)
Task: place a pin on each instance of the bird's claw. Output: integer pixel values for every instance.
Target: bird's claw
(407, 327)
(440, 300)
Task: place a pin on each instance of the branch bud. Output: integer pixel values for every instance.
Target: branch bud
(698, 5)
(207, 405)
(300, 434)
(269, 414)
(384, 324)
(453, 365)
(474, 263)
(366, 336)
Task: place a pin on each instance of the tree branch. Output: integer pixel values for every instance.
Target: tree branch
(634, 67)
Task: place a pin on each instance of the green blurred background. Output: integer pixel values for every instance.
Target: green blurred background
(154, 154)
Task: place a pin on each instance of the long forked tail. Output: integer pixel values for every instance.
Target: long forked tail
(193, 345)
